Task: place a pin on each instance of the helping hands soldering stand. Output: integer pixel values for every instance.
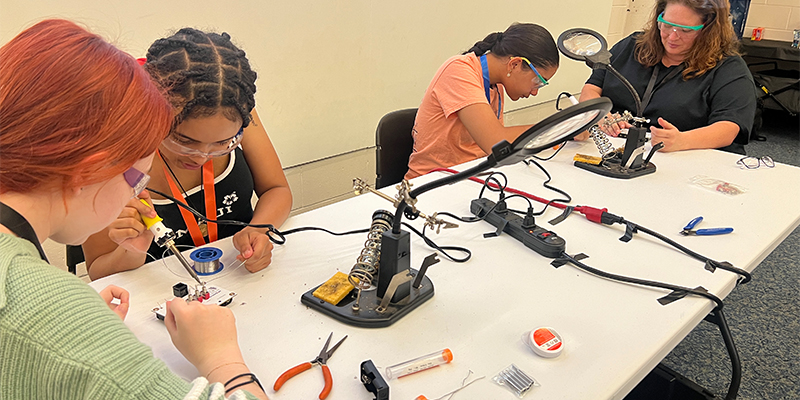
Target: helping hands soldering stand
(589, 46)
(400, 288)
(400, 296)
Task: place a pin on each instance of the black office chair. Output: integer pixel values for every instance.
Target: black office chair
(394, 145)
(74, 257)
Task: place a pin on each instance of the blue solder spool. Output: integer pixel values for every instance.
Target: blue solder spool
(206, 260)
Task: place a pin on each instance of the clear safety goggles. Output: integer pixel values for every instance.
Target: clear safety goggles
(220, 149)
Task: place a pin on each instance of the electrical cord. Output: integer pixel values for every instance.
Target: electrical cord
(642, 282)
(558, 99)
(314, 228)
(441, 249)
(271, 230)
(602, 216)
(281, 236)
(546, 184)
(550, 157)
(632, 228)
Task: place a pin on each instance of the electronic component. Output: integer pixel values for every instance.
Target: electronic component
(180, 290)
(373, 381)
(211, 295)
(541, 240)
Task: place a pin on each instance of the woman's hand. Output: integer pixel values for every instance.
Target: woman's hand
(254, 247)
(128, 230)
(612, 124)
(204, 334)
(667, 134)
(112, 292)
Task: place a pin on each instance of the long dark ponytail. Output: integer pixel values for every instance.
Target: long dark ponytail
(521, 40)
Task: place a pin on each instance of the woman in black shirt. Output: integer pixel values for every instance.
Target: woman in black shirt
(704, 96)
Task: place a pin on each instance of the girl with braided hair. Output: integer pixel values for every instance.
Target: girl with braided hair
(461, 115)
(77, 137)
(216, 156)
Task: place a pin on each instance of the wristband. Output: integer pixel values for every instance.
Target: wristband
(238, 385)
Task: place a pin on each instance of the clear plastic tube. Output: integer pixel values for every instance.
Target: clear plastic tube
(434, 359)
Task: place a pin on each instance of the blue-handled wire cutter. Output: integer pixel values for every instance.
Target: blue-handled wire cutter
(688, 229)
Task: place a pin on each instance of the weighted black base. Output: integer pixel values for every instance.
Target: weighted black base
(613, 169)
(367, 316)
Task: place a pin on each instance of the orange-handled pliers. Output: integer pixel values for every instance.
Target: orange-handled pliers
(322, 360)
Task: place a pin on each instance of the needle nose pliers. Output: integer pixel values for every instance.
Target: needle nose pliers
(322, 360)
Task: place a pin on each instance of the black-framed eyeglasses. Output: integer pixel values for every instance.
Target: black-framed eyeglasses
(752, 162)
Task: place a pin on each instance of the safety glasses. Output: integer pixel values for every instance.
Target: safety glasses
(680, 30)
(136, 179)
(542, 82)
(172, 143)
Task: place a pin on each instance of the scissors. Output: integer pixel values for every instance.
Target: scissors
(687, 230)
(322, 360)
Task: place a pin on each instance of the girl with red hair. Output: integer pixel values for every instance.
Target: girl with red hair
(80, 121)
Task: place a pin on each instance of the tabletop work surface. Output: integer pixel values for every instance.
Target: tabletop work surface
(613, 333)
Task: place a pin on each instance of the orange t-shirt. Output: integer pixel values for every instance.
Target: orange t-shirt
(440, 139)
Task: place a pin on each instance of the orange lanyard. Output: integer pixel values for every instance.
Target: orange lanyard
(211, 205)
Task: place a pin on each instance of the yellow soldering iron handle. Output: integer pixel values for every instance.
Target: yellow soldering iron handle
(149, 222)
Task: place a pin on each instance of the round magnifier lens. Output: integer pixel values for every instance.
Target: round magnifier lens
(562, 129)
(583, 44)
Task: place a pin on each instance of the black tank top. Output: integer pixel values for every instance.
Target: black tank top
(233, 189)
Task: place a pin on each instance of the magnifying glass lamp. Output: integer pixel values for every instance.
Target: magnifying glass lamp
(586, 45)
(395, 296)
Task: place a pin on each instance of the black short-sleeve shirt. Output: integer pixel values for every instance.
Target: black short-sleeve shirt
(724, 93)
(233, 190)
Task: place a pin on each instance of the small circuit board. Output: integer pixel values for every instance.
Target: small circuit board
(211, 295)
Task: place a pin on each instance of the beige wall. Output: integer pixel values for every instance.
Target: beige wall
(329, 70)
(778, 18)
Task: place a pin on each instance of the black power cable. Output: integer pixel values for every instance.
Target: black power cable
(280, 236)
(632, 227)
(642, 282)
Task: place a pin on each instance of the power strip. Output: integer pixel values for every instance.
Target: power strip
(540, 240)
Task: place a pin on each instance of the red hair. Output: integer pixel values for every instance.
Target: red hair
(74, 109)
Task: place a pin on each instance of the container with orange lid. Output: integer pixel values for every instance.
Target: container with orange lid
(428, 361)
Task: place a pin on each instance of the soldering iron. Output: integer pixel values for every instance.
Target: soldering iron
(165, 237)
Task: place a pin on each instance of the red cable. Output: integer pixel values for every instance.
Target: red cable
(591, 213)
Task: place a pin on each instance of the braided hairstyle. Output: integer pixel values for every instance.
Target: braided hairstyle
(521, 40)
(203, 73)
